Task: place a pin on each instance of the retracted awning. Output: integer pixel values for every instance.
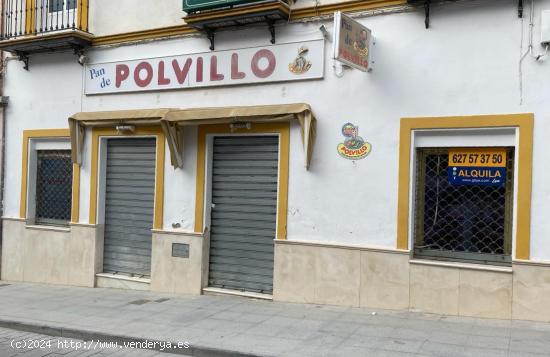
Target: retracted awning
(173, 122)
(176, 120)
(78, 121)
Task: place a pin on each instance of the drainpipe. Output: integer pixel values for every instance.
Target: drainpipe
(3, 104)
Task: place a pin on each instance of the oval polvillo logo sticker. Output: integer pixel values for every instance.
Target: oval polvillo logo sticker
(353, 147)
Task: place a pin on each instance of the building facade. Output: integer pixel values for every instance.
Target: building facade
(223, 149)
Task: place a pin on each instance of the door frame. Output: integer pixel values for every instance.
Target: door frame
(98, 172)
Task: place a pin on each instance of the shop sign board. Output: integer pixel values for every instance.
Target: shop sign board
(274, 63)
(352, 42)
(477, 166)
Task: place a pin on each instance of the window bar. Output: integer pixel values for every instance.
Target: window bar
(12, 20)
(8, 18)
(46, 14)
(57, 14)
(74, 13)
(16, 18)
(4, 20)
(67, 8)
(35, 17)
(24, 15)
(41, 15)
(21, 19)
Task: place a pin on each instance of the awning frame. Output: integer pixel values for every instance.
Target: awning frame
(173, 122)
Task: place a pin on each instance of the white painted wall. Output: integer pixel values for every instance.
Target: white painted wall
(108, 17)
(466, 63)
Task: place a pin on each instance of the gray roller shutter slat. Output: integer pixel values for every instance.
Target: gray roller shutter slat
(131, 170)
(135, 176)
(141, 181)
(135, 149)
(243, 220)
(238, 230)
(129, 205)
(247, 141)
(242, 223)
(244, 208)
(243, 250)
(245, 277)
(129, 156)
(129, 189)
(247, 171)
(245, 148)
(246, 156)
(243, 163)
(130, 209)
(244, 194)
(245, 179)
(242, 253)
(259, 261)
(246, 201)
(236, 215)
(116, 196)
(234, 238)
(126, 229)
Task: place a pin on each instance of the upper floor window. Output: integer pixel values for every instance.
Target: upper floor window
(61, 5)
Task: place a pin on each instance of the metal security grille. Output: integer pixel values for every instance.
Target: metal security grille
(54, 178)
(129, 206)
(244, 197)
(461, 222)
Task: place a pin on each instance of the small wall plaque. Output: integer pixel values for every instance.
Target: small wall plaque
(180, 250)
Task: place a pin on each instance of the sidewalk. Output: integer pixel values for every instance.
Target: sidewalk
(233, 326)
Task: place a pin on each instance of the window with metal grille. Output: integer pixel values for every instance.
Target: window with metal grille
(471, 223)
(54, 177)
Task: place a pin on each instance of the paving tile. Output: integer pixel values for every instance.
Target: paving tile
(442, 349)
(399, 345)
(501, 343)
(485, 352)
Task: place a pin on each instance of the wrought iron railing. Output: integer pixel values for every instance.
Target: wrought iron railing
(32, 17)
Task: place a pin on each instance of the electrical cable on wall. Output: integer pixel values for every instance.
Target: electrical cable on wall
(529, 51)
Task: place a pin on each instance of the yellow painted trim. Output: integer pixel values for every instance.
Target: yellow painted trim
(525, 123)
(97, 133)
(82, 14)
(46, 133)
(346, 6)
(283, 129)
(295, 14)
(75, 208)
(30, 16)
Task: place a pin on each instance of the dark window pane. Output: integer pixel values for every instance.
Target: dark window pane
(54, 186)
(60, 5)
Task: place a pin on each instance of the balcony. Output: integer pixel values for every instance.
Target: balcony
(34, 26)
(211, 15)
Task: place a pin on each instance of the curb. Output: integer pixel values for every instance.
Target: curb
(88, 335)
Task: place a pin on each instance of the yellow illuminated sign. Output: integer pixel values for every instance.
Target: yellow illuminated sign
(477, 157)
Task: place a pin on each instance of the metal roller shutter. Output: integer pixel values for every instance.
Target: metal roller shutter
(244, 197)
(129, 206)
